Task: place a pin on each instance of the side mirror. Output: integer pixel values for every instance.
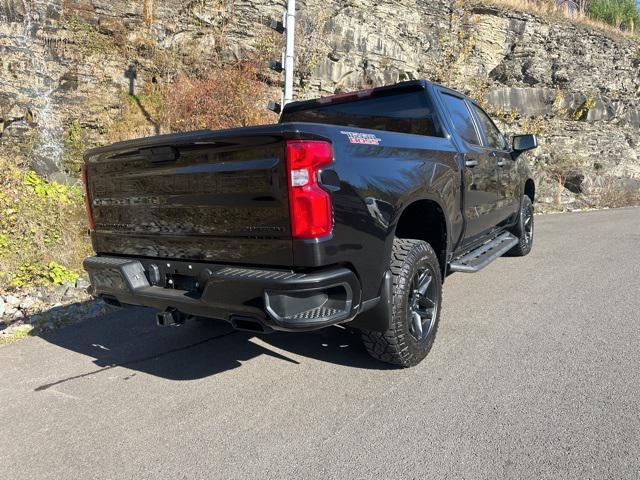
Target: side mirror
(522, 143)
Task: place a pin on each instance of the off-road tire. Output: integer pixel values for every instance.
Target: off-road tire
(525, 237)
(397, 346)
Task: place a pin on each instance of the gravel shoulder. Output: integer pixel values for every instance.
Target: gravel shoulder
(30, 312)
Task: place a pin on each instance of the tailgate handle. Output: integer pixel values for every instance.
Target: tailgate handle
(161, 154)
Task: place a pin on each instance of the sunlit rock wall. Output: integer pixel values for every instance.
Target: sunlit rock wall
(66, 62)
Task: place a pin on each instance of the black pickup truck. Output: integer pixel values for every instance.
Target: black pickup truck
(351, 210)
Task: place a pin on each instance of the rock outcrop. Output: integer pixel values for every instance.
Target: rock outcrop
(71, 63)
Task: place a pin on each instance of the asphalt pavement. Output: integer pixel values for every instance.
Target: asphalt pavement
(535, 373)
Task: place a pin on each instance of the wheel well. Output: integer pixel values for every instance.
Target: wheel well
(424, 220)
(530, 189)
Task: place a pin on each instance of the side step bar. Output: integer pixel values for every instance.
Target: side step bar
(483, 255)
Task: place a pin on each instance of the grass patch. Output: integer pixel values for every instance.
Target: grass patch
(550, 8)
(18, 333)
(622, 14)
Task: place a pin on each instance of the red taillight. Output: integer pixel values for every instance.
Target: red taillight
(310, 205)
(87, 198)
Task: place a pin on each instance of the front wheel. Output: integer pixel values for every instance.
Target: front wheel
(417, 296)
(523, 229)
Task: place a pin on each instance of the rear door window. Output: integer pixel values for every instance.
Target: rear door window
(461, 118)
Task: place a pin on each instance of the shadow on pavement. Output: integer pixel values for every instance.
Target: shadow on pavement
(130, 338)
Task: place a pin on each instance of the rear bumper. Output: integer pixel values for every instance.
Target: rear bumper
(277, 299)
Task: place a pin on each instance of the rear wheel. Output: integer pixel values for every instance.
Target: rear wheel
(523, 229)
(417, 295)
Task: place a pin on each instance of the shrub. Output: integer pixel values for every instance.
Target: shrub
(42, 229)
(611, 192)
(30, 274)
(558, 169)
(225, 97)
(50, 190)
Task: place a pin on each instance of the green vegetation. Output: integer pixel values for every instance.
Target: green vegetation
(4, 244)
(73, 148)
(42, 223)
(21, 332)
(88, 39)
(622, 14)
(50, 190)
(37, 274)
(42, 229)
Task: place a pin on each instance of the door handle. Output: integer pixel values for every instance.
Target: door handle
(471, 163)
(500, 163)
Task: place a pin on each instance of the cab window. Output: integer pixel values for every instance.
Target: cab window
(491, 133)
(461, 118)
(410, 112)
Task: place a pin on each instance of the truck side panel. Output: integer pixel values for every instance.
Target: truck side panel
(377, 182)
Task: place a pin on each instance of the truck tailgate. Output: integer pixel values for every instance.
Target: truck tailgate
(200, 196)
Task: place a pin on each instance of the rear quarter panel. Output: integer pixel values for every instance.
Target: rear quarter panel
(377, 182)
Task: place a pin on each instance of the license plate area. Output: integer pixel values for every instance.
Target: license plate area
(187, 283)
(188, 277)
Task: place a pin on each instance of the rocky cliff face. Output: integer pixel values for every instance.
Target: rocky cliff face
(66, 68)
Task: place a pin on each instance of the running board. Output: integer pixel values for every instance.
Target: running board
(483, 255)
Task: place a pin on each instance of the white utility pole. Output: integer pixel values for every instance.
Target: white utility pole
(290, 29)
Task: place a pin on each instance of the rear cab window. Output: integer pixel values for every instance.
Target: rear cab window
(406, 112)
